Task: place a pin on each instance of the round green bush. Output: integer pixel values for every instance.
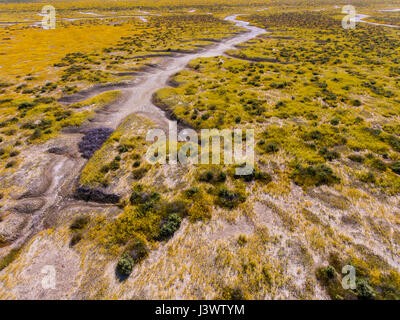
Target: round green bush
(125, 265)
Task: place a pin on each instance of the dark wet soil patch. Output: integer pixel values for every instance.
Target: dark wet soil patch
(93, 140)
(95, 195)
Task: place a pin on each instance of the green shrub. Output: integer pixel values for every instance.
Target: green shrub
(137, 250)
(356, 103)
(364, 290)
(140, 197)
(368, 177)
(79, 223)
(114, 165)
(314, 175)
(242, 240)
(255, 175)
(10, 164)
(229, 199)
(36, 134)
(378, 164)
(327, 277)
(356, 158)
(394, 143)
(395, 167)
(139, 173)
(189, 193)
(26, 105)
(212, 176)
(136, 164)
(123, 148)
(271, 148)
(76, 237)
(169, 227)
(329, 155)
(335, 121)
(330, 272)
(125, 264)
(315, 135)
(9, 258)
(176, 206)
(235, 293)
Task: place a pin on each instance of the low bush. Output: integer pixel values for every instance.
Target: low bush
(139, 196)
(314, 175)
(377, 164)
(9, 258)
(255, 175)
(76, 237)
(368, 177)
(125, 264)
(212, 176)
(329, 155)
(229, 199)
(395, 167)
(242, 240)
(176, 206)
(169, 226)
(10, 164)
(137, 250)
(79, 223)
(356, 158)
(191, 192)
(233, 293)
(270, 147)
(364, 290)
(139, 173)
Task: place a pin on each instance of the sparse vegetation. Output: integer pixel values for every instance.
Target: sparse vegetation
(323, 102)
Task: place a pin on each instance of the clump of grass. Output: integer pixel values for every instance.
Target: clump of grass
(79, 223)
(356, 158)
(169, 226)
(314, 175)
(76, 238)
(9, 258)
(329, 278)
(213, 175)
(395, 167)
(255, 175)
(229, 199)
(233, 293)
(135, 252)
(77, 227)
(125, 264)
(242, 240)
(138, 249)
(200, 208)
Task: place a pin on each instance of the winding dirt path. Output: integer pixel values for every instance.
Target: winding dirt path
(139, 97)
(360, 18)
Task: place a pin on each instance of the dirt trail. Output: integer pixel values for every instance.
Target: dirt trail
(360, 18)
(139, 97)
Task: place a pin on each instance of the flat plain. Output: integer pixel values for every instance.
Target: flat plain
(76, 191)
